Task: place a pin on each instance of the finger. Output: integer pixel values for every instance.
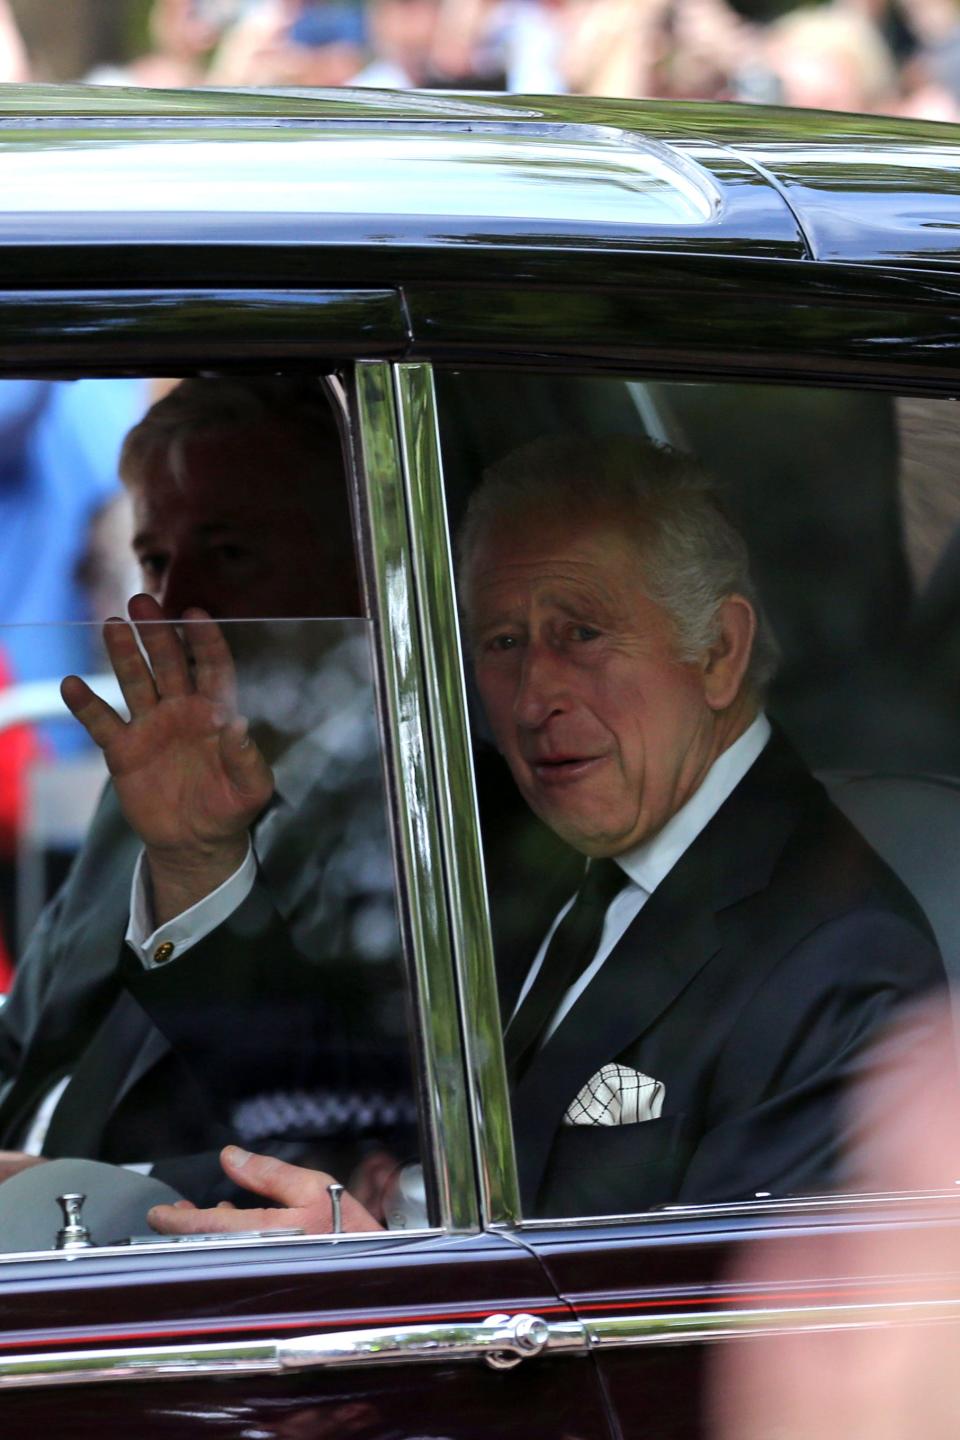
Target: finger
(176, 1220)
(215, 674)
(163, 645)
(101, 721)
(303, 1191)
(129, 666)
(245, 766)
(290, 1185)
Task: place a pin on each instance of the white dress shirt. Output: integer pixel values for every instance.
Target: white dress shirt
(651, 861)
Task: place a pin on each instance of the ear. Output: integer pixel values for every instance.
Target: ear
(725, 663)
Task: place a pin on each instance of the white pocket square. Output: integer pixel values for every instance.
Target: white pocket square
(617, 1095)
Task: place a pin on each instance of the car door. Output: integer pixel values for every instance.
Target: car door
(444, 1328)
(825, 422)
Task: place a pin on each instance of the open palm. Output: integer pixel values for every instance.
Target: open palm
(187, 775)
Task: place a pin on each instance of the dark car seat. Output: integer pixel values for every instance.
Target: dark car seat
(913, 823)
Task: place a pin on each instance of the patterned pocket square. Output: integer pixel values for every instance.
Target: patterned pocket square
(617, 1095)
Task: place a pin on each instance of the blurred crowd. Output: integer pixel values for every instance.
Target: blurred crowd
(882, 56)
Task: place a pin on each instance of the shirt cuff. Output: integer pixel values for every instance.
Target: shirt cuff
(155, 946)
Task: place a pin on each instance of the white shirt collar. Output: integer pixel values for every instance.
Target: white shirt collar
(651, 861)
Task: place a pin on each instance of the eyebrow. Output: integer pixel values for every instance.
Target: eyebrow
(147, 537)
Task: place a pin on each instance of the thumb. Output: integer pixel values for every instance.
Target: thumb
(243, 761)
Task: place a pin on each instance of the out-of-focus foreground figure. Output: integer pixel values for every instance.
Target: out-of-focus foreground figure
(887, 1375)
(14, 66)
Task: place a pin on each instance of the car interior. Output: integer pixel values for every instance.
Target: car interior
(850, 505)
(851, 508)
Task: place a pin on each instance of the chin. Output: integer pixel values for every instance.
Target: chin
(591, 840)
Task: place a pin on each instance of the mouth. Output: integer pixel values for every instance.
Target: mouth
(561, 770)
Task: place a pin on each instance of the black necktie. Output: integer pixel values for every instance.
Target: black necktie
(572, 946)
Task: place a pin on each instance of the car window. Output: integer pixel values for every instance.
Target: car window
(198, 899)
(723, 901)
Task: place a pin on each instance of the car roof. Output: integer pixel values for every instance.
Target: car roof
(367, 168)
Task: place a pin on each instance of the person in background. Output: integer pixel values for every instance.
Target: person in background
(183, 34)
(831, 58)
(14, 64)
(290, 42)
(59, 447)
(401, 36)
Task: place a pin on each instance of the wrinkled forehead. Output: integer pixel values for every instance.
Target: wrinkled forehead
(540, 552)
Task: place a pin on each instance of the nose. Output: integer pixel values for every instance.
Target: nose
(541, 690)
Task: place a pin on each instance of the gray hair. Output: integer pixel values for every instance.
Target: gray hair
(211, 403)
(693, 556)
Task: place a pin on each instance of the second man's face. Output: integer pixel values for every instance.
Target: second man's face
(606, 732)
(238, 533)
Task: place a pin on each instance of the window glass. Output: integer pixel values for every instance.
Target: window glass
(197, 886)
(712, 640)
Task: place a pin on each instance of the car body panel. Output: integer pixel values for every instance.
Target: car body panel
(232, 1297)
(334, 187)
(828, 256)
(898, 170)
(52, 328)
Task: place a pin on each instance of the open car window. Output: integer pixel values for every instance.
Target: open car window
(744, 1019)
(143, 1029)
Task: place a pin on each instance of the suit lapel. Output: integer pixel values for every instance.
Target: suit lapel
(672, 938)
(89, 934)
(667, 944)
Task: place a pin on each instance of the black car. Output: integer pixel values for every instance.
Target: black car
(772, 292)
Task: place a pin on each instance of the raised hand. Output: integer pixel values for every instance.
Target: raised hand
(188, 776)
(302, 1194)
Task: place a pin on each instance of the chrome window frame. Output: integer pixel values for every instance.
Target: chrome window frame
(365, 404)
(462, 847)
(455, 796)
(406, 679)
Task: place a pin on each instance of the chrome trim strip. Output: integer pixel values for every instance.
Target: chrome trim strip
(456, 797)
(189, 1244)
(831, 1206)
(689, 1328)
(402, 690)
(501, 1340)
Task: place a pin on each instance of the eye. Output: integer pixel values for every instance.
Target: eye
(152, 564)
(500, 643)
(585, 633)
(232, 554)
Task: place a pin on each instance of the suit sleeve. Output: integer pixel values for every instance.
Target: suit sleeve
(267, 1007)
(825, 1063)
(18, 1016)
(243, 1007)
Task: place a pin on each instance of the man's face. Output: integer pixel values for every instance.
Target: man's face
(238, 533)
(605, 731)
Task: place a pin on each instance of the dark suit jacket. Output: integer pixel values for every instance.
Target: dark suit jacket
(264, 1032)
(755, 983)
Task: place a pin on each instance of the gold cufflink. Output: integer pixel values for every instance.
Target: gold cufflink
(163, 952)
